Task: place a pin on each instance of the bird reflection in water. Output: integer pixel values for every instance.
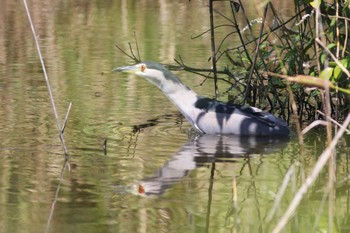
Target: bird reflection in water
(199, 151)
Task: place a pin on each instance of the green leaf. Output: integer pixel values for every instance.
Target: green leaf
(316, 92)
(345, 62)
(315, 4)
(332, 64)
(331, 45)
(337, 73)
(333, 22)
(326, 74)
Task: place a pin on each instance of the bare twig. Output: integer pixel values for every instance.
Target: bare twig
(208, 30)
(321, 162)
(272, 30)
(183, 66)
(221, 44)
(66, 118)
(312, 125)
(333, 121)
(333, 57)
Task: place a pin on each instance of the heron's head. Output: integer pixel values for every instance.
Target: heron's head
(151, 71)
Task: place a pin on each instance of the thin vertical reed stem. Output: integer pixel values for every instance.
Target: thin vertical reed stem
(59, 129)
(213, 52)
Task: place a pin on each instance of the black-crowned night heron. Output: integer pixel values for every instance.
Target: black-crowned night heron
(207, 115)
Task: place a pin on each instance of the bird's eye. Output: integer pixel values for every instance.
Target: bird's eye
(143, 67)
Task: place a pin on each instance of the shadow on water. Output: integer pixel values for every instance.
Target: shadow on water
(201, 151)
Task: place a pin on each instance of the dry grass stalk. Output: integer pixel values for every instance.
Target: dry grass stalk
(321, 162)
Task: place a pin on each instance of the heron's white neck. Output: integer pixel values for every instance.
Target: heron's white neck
(172, 87)
(183, 98)
(178, 93)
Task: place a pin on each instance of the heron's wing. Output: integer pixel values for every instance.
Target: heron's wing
(207, 104)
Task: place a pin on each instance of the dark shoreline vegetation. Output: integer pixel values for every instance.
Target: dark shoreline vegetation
(293, 50)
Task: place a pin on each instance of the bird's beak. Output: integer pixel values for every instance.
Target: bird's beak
(126, 69)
